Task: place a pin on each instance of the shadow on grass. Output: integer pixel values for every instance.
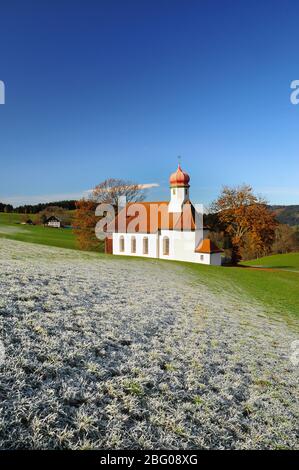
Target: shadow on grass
(265, 267)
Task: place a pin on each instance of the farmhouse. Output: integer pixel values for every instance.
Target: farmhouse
(53, 222)
(167, 230)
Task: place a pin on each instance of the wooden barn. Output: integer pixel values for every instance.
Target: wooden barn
(53, 221)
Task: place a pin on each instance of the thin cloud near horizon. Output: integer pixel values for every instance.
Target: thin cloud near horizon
(35, 199)
(45, 198)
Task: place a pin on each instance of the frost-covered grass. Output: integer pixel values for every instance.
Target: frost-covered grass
(106, 353)
(276, 291)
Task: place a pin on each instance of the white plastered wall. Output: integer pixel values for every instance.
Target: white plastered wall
(152, 244)
(181, 247)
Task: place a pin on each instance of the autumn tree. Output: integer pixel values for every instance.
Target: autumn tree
(107, 192)
(84, 225)
(247, 220)
(110, 190)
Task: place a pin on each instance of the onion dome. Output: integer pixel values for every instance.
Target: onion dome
(179, 179)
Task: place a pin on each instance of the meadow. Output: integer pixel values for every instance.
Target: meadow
(286, 262)
(277, 289)
(11, 228)
(103, 352)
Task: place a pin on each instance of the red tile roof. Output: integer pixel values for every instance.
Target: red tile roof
(149, 217)
(207, 246)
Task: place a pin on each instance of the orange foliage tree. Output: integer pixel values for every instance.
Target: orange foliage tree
(108, 192)
(247, 220)
(84, 225)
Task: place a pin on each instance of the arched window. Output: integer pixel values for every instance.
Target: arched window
(166, 246)
(133, 245)
(121, 244)
(145, 246)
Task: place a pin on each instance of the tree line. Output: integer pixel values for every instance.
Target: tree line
(6, 207)
(36, 208)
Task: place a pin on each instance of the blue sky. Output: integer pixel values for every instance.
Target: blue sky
(106, 88)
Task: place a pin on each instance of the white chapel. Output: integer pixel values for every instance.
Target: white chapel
(168, 230)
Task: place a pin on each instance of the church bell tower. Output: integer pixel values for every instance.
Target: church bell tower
(179, 190)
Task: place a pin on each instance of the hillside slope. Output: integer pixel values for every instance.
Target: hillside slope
(284, 262)
(287, 214)
(102, 352)
(11, 228)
